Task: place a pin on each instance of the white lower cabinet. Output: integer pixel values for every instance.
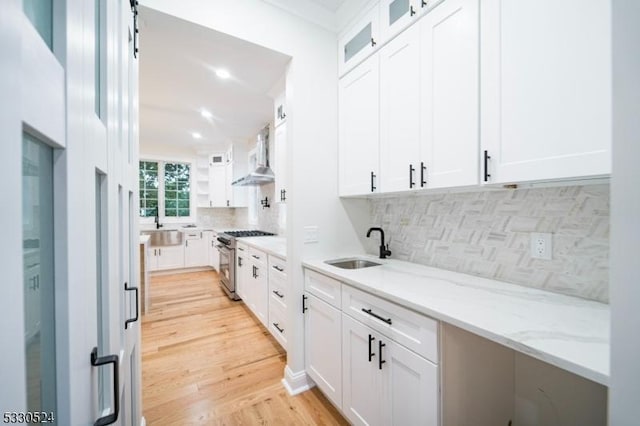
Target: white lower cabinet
(243, 271)
(166, 257)
(196, 250)
(322, 328)
(258, 286)
(375, 360)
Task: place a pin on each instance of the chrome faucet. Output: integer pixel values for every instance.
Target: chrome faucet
(384, 250)
(157, 219)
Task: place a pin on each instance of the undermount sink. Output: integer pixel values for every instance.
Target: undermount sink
(164, 237)
(351, 263)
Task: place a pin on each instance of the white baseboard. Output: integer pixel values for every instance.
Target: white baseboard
(296, 383)
(143, 421)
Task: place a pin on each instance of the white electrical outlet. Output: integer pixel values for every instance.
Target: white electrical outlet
(310, 234)
(541, 247)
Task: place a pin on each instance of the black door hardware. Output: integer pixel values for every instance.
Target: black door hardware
(255, 272)
(134, 319)
(97, 361)
(239, 261)
(277, 268)
(134, 9)
(373, 42)
(275, 324)
(277, 293)
(373, 188)
(265, 203)
(411, 11)
(380, 360)
(487, 157)
(371, 354)
(227, 203)
(304, 303)
(424, 3)
(373, 314)
(423, 171)
(283, 195)
(411, 170)
(384, 250)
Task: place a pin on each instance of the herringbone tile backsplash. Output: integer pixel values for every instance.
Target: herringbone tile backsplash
(488, 234)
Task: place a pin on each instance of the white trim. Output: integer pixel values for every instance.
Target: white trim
(296, 383)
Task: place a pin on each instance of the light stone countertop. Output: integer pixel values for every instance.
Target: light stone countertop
(275, 245)
(144, 239)
(568, 332)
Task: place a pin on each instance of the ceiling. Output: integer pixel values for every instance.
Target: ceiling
(332, 5)
(178, 60)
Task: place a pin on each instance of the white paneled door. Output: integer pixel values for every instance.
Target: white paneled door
(69, 145)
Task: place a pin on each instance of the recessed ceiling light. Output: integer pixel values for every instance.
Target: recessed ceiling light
(196, 135)
(206, 114)
(223, 73)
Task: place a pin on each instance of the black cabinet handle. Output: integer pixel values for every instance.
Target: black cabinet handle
(277, 268)
(283, 195)
(411, 170)
(368, 311)
(380, 360)
(131, 320)
(159, 252)
(371, 354)
(186, 243)
(277, 293)
(255, 257)
(281, 330)
(239, 261)
(424, 3)
(486, 165)
(373, 188)
(97, 361)
(411, 11)
(304, 303)
(423, 171)
(373, 42)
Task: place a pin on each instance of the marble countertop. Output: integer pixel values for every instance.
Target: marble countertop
(273, 245)
(568, 332)
(144, 239)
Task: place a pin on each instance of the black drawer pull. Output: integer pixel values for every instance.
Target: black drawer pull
(277, 293)
(97, 361)
(281, 330)
(373, 314)
(277, 268)
(255, 257)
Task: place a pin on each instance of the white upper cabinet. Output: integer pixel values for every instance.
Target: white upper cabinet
(399, 112)
(280, 167)
(449, 100)
(359, 41)
(396, 15)
(217, 185)
(546, 89)
(358, 129)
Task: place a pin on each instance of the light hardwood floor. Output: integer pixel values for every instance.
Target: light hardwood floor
(207, 360)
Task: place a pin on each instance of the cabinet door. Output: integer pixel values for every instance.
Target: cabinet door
(280, 169)
(359, 134)
(217, 186)
(196, 252)
(322, 347)
(171, 257)
(153, 256)
(260, 293)
(450, 110)
(279, 110)
(359, 41)
(410, 387)
(395, 15)
(400, 112)
(361, 379)
(228, 175)
(546, 89)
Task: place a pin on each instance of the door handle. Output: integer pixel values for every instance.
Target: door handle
(411, 11)
(277, 293)
(487, 157)
(131, 320)
(277, 268)
(240, 261)
(97, 361)
(373, 188)
(304, 304)
(371, 354)
(411, 182)
(380, 360)
(281, 330)
(423, 170)
(373, 314)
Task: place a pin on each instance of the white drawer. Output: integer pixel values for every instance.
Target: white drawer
(242, 248)
(257, 256)
(277, 267)
(278, 290)
(408, 328)
(192, 235)
(323, 287)
(278, 323)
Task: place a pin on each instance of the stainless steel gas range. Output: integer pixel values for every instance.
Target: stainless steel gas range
(228, 258)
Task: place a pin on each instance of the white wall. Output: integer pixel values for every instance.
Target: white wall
(312, 133)
(624, 391)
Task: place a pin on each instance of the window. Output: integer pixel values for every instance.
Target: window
(148, 177)
(176, 190)
(165, 189)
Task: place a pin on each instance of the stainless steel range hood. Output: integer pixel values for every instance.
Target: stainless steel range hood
(262, 173)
